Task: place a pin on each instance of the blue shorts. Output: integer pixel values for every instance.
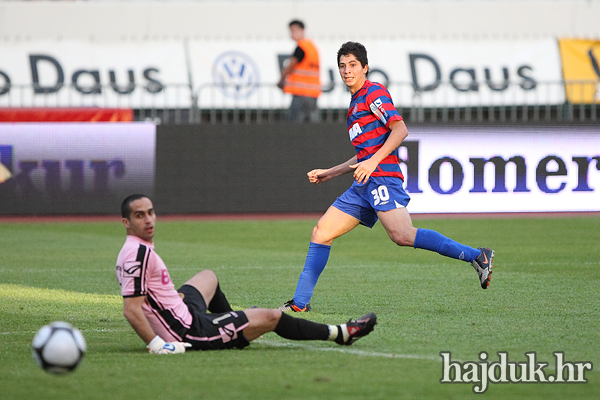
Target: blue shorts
(381, 193)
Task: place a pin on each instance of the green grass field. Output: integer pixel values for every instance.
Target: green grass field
(543, 298)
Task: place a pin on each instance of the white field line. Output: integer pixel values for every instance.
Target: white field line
(347, 350)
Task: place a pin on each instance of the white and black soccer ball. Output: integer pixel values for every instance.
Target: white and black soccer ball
(58, 347)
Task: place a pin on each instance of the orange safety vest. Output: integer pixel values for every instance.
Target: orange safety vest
(304, 80)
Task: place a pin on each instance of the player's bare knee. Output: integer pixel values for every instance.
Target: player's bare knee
(314, 234)
(271, 318)
(321, 236)
(401, 239)
(205, 281)
(207, 275)
(275, 316)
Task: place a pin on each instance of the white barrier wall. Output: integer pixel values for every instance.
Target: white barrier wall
(227, 53)
(267, 19)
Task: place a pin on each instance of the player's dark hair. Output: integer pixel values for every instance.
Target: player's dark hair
(356, 49)
(297, 22)
(126, 204)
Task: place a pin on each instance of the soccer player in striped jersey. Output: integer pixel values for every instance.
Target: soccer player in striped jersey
(197, 315)
(376, 130)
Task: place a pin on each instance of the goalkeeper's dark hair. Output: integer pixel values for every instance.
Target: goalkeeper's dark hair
(356, 49)
(126, 204)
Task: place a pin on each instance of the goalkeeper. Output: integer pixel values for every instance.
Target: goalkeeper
(198, 316)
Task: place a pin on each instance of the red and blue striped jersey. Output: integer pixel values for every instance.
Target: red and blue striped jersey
(369, 116)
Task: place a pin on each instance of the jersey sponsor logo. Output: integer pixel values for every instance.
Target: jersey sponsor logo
(377, 109)
(133, 268)
(354, 131)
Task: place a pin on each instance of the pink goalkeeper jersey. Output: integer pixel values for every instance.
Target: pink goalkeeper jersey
(141, 272)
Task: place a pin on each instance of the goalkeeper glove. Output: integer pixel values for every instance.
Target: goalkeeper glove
(159, 346)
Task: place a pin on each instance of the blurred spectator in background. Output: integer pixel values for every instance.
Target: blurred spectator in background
(300, 77)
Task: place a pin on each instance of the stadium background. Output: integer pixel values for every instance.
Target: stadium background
(222, 146)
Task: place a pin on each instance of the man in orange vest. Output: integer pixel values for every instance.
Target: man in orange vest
(300, 77)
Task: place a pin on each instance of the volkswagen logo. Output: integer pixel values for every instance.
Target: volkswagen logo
(236, 74)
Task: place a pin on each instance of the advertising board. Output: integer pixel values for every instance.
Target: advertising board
(515, 169)
(74, 167)
(244, 73)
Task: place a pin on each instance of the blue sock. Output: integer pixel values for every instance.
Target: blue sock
(434, 241)
(316, 259)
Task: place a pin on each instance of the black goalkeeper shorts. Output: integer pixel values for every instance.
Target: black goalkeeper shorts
(212, 331)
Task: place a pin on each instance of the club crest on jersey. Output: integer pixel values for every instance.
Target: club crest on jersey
(354, 131)
(377, 109)
(355, 109)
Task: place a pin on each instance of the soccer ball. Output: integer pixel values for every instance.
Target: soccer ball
(58, 348)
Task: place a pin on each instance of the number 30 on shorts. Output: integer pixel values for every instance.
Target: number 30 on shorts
(380, 194)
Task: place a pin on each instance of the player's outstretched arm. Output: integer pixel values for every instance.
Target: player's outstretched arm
(317, 176)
